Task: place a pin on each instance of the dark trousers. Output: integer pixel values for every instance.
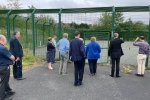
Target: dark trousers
(92, 65)
(115, 63)
(79, 70)
(4, 81)
(17, 71)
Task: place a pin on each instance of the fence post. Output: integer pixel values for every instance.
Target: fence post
(59, 25)
(148, 39)
(14, 22)
(43, 32)
(36, 33)
(50, 22)
(113, 23)
(33, 41)
(27, 32)
(8, 25)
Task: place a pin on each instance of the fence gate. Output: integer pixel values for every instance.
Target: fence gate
(103, 38)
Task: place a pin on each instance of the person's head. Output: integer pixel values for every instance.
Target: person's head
(77, 34)
(55, 37)
(17, 34)
(116, 35)
(3, 39)
(81, 39)
(93, 39)
(49, 39)
(65, 35)
(141, 38)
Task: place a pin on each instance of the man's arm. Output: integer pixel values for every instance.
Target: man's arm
(110, 48)
(81, 49)
(122, 41)
(67, 45)
(16, 49)
(8, 55)
(135, 42)
(70, 50)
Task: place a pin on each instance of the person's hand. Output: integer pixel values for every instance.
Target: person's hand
(13, 63)
(137, 38)
(121, 38)
(17, 59)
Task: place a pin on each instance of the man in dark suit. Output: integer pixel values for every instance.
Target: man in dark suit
(16, 50)
(78, 57)
(115, 52)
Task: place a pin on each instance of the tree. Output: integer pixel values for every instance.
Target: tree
(74, 25)
(105, 21)
(84, 26)
(14, 4)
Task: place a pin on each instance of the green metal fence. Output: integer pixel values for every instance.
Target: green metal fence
(34, 32)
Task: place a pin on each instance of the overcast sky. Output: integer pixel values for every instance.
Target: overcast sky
(87, 18)
(79, 3)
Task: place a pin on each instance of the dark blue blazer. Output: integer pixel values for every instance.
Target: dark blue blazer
(15, 47)
(76, 50)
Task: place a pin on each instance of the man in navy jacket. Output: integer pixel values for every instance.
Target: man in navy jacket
(16, 50)
(78, 57)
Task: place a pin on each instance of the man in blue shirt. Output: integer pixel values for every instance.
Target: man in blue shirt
(6, 59)
(54, 42)
(63, 46)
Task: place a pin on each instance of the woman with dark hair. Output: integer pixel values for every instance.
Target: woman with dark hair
(50, 53)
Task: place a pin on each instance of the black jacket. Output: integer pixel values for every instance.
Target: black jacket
(76, 50)
(115, 49)
(15, 47)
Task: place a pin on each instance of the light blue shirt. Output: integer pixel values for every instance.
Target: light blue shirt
(54, 41)
(63, 46)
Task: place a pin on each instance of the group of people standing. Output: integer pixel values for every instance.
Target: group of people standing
(77, 52)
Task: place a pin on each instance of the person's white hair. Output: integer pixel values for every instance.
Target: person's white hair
(116, 35)
(93, 38)
(81, 39)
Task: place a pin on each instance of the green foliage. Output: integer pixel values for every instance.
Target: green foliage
(82, 26)
(29, 59)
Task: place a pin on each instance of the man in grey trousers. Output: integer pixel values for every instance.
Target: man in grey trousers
(63, 46)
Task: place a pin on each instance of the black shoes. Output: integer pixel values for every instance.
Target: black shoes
(112, 75)
(140, 75)
(78, 84)
(23, 78)
(92, 74)
(117, 76)
(9, 94)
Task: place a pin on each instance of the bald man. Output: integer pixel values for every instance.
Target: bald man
(6, 59)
